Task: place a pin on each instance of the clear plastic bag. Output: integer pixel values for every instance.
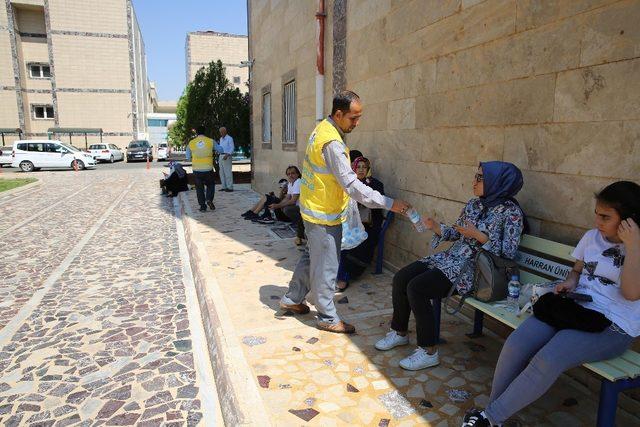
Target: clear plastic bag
(353, 232)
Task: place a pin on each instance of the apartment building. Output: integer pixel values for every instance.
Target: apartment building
(74, 70)
(202, 47)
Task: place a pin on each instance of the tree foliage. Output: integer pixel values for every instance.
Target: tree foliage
(179, 134)
(211, 101)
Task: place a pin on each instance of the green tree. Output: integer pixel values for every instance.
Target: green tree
(211, 101)
(179, 134)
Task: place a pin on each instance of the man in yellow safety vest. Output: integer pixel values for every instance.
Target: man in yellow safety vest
(327, 184)
(200, 152)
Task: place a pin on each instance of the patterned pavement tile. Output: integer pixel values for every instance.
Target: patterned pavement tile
(110, 341)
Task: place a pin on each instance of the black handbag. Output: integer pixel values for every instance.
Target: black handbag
(564, 313)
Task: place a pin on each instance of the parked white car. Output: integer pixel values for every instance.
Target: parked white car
(163, 151)
(35, 154)
(5, 157)
(106, 152)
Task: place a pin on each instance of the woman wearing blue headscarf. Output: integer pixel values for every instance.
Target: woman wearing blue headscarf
(493, 221)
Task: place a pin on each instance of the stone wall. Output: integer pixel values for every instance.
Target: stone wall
(553, 88)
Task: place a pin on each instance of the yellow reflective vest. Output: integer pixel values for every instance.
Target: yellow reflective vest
(322, 199)
(201, 153)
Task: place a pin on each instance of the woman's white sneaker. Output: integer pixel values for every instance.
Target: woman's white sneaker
(419, 359)
(391, 340)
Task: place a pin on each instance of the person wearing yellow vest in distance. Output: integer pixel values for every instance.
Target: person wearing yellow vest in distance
(327, 183)
(200, 152)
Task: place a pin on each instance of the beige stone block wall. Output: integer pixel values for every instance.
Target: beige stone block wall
(91, 62)
(553, 93)
(97, 16)
(286, 28)
(231, 50)
(3, 16)
(96, 110)
(31, 51)
(30, 20)
(9, 109)
(6, 64)
(551, 87)
(33, 125)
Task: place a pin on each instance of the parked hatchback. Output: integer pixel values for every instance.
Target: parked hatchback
(163, 151)
(139, 150)
(35, 154)
(106, 152)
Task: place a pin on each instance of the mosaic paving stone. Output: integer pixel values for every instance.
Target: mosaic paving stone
(253, 341)
(396, 404)
(305, 414)
(109, 323)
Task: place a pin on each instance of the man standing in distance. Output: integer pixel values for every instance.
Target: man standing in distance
(327, 184)
(200, 152)
(226, 160)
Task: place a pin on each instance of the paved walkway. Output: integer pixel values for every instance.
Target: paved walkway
(96, 322)
(287, 373)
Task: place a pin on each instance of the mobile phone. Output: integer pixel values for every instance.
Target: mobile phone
(576, 296)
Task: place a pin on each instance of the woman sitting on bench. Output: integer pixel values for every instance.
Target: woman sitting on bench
(565, 333)
(354, 261)
(493, 221)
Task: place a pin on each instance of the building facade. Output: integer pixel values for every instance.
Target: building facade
(73, 64)
(554, 90)
(202, 47)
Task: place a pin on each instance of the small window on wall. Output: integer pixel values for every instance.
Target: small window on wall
(289, 112)
(266, 117)
(39, 71)
(236, 80)
(44, 112)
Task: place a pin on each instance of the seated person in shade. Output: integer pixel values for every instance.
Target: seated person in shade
(290, 205)
(175, 181)
(607, 268)
(254, 215)
(354, 261)
(493, 221)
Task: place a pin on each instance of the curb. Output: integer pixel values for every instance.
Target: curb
(240, 400)
(21, 188)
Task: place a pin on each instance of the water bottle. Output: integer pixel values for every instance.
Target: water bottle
(513, 294)
(415, 218)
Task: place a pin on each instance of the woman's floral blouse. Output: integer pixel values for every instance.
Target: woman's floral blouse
(503, 224)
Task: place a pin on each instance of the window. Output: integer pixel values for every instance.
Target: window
(236, 80)
(52, 148)
(42, 111)
(34, 146)
(157, 122)
(266, 117)
(22, 147)
(289, 112)
(39, 71)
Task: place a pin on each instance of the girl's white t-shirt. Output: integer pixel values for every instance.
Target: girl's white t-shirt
(294, 189)
(600, 278)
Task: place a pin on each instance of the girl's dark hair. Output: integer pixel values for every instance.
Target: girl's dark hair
(295, 168)
(624, 197)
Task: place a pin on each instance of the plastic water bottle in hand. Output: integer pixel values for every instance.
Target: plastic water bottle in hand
(416, 219)
(513, 294)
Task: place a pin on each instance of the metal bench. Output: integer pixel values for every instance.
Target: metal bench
(542, 260)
